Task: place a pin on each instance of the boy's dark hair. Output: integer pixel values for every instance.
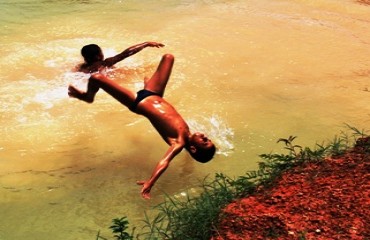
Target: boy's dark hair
(203, 155)
(89, 52)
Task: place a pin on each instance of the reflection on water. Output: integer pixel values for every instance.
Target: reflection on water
(246, 73)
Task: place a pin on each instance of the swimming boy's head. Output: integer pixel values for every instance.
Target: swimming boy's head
(92, 53)
(201, 148)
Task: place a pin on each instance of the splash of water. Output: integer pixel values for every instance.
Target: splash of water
(216, 129)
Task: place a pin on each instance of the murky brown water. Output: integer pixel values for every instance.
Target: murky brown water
(247, 72)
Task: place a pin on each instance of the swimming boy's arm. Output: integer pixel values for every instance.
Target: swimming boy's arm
(162, 165)
(130, 51)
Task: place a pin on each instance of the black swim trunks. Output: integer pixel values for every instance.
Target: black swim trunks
(141, 95)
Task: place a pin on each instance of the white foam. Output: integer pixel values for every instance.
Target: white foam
(217, 130)
(49, 97)
(77, 79)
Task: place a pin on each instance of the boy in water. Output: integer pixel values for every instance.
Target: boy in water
(163, 116)
(94, 57)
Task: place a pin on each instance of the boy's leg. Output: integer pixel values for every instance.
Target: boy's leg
(157, 83)
(97, 81)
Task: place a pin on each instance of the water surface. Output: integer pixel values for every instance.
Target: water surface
(246, 72)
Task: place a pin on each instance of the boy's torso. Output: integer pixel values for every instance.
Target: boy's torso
(164, 117)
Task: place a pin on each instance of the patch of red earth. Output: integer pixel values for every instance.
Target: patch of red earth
(325, 200)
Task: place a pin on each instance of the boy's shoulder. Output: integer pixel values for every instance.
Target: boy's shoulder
(89, 68)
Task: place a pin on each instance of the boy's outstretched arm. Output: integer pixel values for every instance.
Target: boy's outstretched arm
(162, 165)
(130, 51)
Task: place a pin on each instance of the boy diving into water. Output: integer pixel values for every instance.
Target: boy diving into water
(150, 103)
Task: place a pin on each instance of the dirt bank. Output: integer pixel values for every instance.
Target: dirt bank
(325, 200)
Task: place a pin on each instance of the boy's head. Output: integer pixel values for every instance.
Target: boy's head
(201, 148)
(92, 53)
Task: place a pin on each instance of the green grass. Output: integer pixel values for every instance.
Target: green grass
(197, 218)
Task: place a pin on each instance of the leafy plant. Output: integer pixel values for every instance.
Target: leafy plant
(119, 227)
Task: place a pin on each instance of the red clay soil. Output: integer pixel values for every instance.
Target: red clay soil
(325, 200)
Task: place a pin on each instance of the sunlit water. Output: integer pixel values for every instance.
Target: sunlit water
(246, 72)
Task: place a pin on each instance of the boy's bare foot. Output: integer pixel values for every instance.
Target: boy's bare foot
(75, 93)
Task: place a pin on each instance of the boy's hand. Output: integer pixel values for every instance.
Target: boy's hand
(145, 190)
(155, 44)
